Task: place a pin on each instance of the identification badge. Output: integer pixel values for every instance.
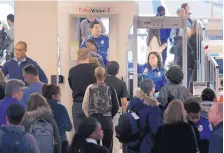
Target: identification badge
(159, 74)
(200, 128)
(145, 70)
(102, 42)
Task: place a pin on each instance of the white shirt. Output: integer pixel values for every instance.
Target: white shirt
(90, 140)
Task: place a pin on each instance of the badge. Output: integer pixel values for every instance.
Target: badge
(200, 128)
(102, 42)
(159, 74)
(145, 70)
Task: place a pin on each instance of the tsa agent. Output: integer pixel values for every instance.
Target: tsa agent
(155, 71)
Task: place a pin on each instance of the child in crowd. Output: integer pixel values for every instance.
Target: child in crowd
(194, 117)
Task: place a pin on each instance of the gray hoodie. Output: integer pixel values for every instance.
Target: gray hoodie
(31, 142)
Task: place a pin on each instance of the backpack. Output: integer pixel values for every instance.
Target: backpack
(12, 142)
(128, 130)
(44, 135)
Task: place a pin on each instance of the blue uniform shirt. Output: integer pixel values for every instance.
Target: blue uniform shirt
(156, 75)
(103, 45)
(204, 128)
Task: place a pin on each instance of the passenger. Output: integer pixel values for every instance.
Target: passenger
(155, 71)
(215, 116)
(10, 35)
(194, 44)
(13, 95)
(31, 77)
(164, 33)
(93, 50)
(85, 24)
(119, 85)
(122, 94)
(176, 136)
(102, 41)
(2, 85)
(186, 7)
(13, 137)
(191, 56)
(192, 106)
(174, 88)
(13, 67)
(80, 77)
(208, 97)
(176, 33)
(149, 114)
(86, 137)
(53, 95)
(100, 101)
(38, 109)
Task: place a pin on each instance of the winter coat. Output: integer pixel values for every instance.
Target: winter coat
(46, 114)
(173, 91)
(175, 138)
(150, 119)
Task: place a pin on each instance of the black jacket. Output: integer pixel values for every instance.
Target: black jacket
(175, 138)
(88, 148)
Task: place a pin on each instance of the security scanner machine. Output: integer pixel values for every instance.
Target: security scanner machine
(159, 22)
(210, 52)
(69, 14)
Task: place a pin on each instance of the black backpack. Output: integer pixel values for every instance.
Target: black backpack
(128, 130)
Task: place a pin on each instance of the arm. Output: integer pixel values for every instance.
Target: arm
(163, 96)
(5, 69)
(57, 147)
(216, 144)
(70, 79)
(67, 125)
(124, 102)
(164, 81)
(82, 30)
(42, 75)
(85, 103)
(115, 103)
(10, 33)
(33, 144)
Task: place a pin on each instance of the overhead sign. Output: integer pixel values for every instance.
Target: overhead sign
(94, 10)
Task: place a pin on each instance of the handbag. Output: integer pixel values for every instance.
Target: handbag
(195, 139)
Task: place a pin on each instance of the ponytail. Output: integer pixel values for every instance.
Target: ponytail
(44, 90)
(148, 100)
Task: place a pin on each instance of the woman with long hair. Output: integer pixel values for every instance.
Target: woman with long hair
(155, 71)
(150, 116)
(176, 135)
(38, 108)
(53, 95)
(85, 139)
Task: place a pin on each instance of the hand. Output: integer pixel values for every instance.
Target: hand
(5, 26)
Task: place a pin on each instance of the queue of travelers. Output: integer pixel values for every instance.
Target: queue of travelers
(160, 118)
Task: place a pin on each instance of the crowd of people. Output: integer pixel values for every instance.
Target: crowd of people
(161, 117)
